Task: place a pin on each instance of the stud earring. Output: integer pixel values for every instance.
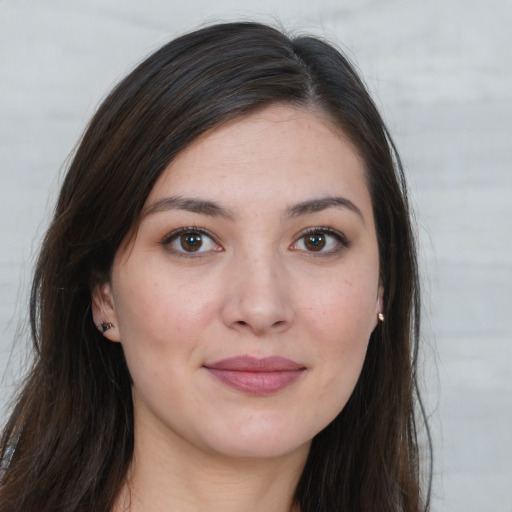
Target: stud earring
(380, 316)
(105, 326)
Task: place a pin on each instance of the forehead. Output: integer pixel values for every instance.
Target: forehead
(280, 154)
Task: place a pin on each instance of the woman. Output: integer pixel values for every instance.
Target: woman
(225, 310)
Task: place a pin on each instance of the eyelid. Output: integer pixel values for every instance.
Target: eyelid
(173, 235)
(341, 238)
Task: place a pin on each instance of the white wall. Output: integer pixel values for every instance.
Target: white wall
(441, 72)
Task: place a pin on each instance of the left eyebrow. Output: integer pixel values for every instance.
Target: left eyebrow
(189, 204)
(317, 205)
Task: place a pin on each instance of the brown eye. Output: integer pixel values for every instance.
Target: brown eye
(191, 242)
(314, 241)
(323, 241)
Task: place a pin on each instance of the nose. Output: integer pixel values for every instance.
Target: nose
(258, 296)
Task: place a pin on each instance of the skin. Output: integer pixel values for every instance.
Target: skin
(254, 287)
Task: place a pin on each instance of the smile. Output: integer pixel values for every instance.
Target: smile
(256, 376)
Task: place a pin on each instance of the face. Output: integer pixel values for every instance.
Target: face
(245, 302)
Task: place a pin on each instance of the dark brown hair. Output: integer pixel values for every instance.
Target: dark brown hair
(69, 440)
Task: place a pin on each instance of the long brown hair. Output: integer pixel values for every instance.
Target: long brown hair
(69, 440)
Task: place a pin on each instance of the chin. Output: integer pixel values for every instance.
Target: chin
(262, 449)
(259, 439)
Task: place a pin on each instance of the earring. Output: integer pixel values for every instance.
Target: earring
(105, 326)
(380, 316)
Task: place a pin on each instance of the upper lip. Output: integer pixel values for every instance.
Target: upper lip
(255, 364)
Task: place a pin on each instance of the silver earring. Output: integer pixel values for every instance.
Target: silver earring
(105, 326)
(380, 316)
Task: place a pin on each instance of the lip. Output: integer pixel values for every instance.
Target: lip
(261, 376)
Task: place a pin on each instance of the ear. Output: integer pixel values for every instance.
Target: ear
(104, 311)
(380, 299)
(379, 305)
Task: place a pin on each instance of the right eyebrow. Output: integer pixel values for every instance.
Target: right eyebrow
(323, 203)
(189, 204)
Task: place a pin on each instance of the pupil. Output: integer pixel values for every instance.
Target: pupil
(191, 242)
(315, 242)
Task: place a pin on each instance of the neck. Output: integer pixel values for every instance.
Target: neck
(167, 473)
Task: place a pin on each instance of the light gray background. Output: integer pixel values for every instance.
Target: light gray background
(441, 72)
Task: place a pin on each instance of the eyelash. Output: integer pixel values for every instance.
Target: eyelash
(174, 235)
(341, 239)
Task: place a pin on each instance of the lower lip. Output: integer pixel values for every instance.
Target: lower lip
(258, 383)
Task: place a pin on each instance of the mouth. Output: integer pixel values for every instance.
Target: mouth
(256, 376)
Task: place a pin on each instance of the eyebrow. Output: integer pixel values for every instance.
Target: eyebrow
(193, 205)
(317, 205)
(213, 209)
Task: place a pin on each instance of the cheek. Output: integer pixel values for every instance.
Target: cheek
(341, 320)
(343, 308)
(158, 330)
(159, 317)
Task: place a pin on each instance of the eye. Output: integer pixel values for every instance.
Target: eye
(321, 240)
(190, 241)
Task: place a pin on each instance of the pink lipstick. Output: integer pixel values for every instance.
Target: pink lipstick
(256, 376)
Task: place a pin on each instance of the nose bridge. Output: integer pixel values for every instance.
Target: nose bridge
(258, 297)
